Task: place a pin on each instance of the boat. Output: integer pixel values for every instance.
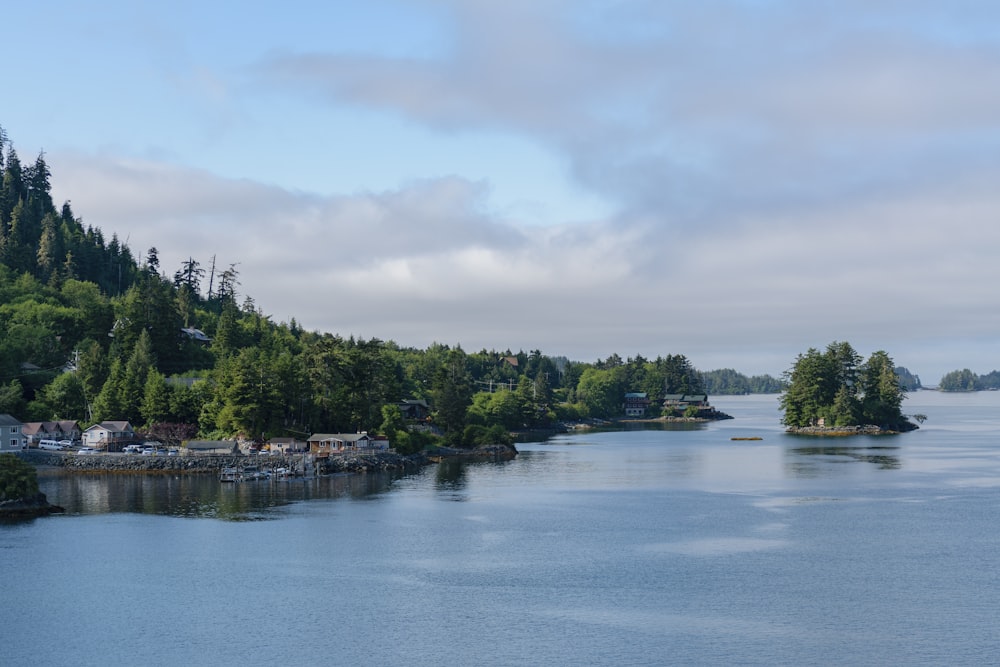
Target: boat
(755, 437)
(230, 475)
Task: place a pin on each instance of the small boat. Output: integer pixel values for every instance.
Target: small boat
(230, 475)
(755, 437)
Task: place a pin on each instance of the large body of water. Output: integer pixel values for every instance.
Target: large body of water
(646, 547)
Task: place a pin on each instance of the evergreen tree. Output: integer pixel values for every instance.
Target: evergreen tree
(108, 404)
(883, 396)
(64, 397)
(452, 394)
(155, 399)
(137, 369)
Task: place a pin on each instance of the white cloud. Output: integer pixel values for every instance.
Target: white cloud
(781, 175)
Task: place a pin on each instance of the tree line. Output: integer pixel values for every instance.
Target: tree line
(966, 380)
(89, 333)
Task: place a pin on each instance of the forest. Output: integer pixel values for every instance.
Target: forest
(89, 333)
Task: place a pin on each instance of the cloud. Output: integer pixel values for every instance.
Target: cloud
(781, 175)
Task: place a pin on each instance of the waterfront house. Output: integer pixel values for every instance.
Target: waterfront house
(110, 436)
(636, 403)
(287, 445)
(325, 444)
(66, 429)
(11, 435)
(679, 404)
(683, 401)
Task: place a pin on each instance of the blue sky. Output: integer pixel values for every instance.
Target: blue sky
(736, 181)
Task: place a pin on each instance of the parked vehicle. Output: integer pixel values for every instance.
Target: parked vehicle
(132, 449)
(88, 450)
(52, 445)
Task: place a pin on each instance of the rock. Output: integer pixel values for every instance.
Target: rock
(28, 508)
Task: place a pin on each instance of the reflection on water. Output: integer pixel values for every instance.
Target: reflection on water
(200, 495)
(450, 479)
(812, 462)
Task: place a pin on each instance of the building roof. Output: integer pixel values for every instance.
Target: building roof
(204, 445)
(345, 437)
(9, 420)
(61, 426)
(116, 426)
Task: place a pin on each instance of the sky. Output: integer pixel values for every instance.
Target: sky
(736, 181)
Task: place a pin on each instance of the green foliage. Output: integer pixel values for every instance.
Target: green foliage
(11, 398)
(726, 381)
(963, 380)
(836, 387)
(452, 393)
(17, 478)
(602, 391)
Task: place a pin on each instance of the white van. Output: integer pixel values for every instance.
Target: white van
(50, 444)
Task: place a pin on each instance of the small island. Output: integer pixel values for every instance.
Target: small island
(837, 393)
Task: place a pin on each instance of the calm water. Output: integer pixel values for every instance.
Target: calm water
(628, 548)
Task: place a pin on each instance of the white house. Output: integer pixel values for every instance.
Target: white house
(324, 444)
(110, 436)
(12, 438)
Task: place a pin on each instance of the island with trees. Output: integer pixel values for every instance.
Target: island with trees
(837, 392)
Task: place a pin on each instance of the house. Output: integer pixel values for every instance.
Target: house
(325, 444)
(111, 436)
(287, 445)
(414, 409)
(684, 401)
(55, 430)
(210, 446)
(636, 404)
(12, 438)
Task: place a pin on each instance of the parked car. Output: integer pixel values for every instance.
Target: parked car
(132, 449)
(50, 444)
(148, 451)
(88, 450)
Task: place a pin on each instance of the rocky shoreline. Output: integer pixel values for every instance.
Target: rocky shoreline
(300, 464)
(840, 431)
(28, 508)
